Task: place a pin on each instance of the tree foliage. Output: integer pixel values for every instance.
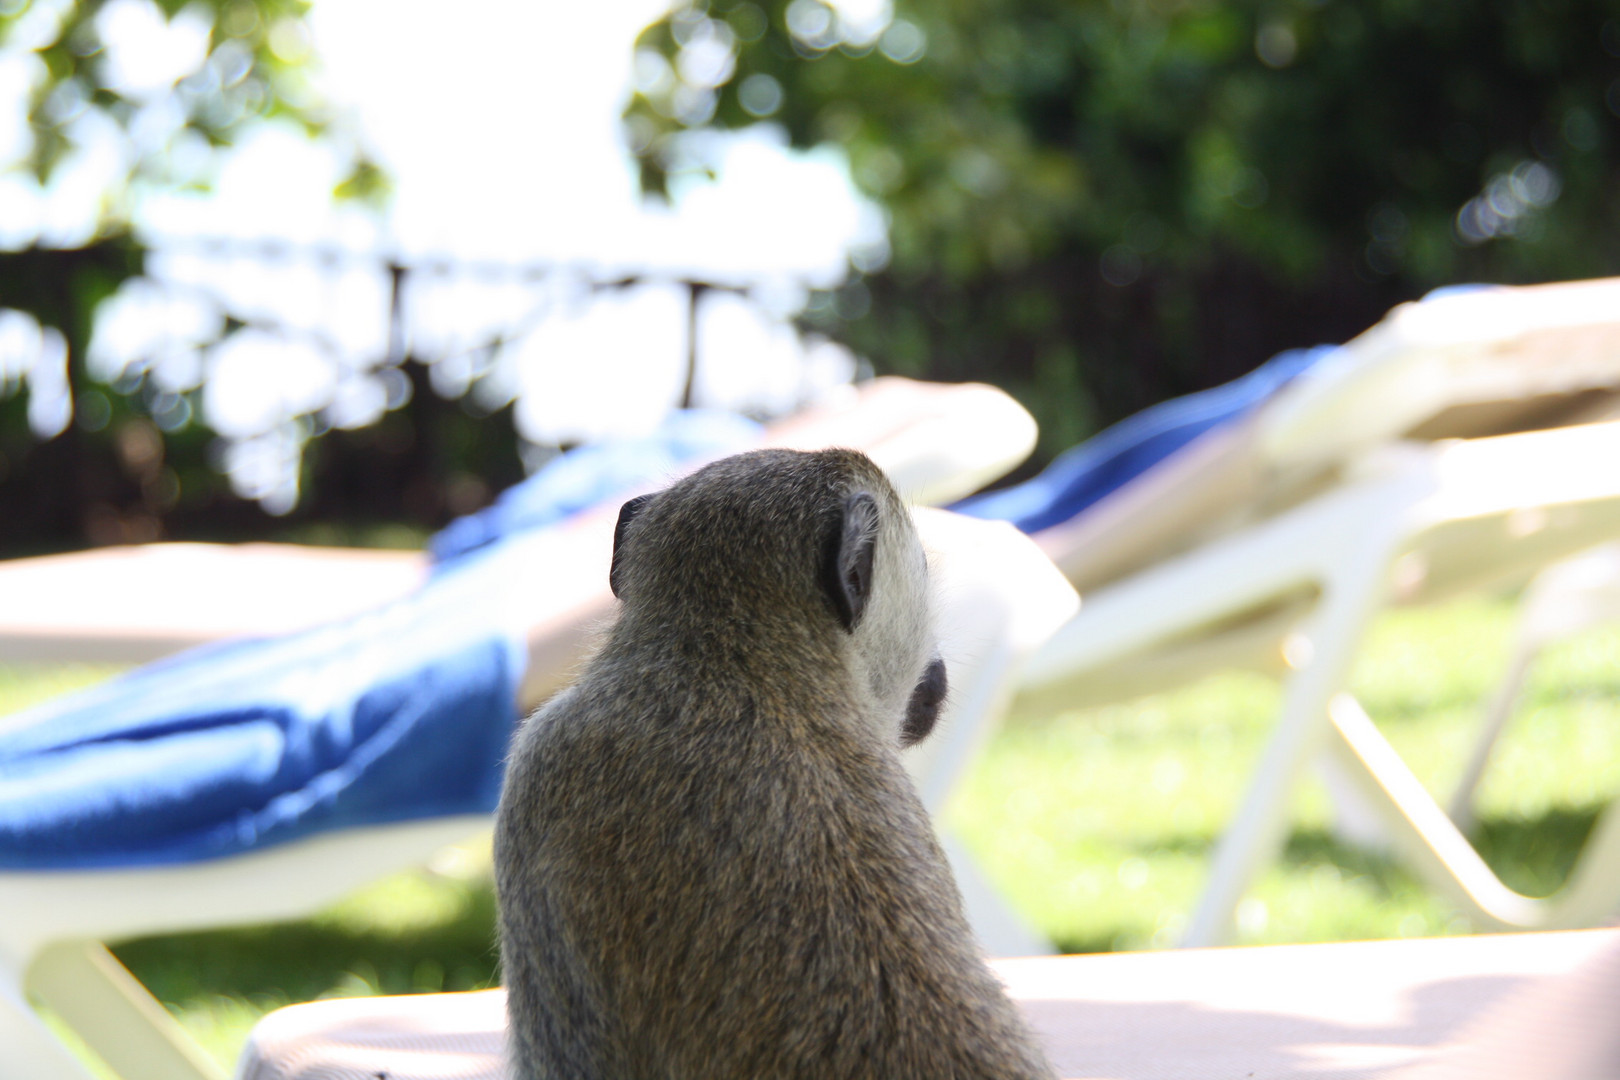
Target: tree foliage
(1100, 203)
(118, 99)
(228, 62)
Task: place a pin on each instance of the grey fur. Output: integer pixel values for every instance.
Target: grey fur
(710, 862)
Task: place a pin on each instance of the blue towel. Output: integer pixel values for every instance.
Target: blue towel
(1081, 476)
(583, 477)
(396, 715)
(400, 714)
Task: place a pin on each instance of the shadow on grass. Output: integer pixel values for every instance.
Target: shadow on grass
(1097, 943)
(1535, 855)
(306, 960)
(1307, 848)
(1531, 855)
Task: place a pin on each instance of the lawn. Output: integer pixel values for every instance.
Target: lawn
(1098, 823)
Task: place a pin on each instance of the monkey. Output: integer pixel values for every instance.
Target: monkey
(710, 862)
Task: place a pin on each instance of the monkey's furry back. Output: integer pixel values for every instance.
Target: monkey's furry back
(709, 860)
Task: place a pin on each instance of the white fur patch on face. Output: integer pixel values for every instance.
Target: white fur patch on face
(895, 642)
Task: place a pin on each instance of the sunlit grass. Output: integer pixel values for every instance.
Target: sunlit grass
(1097, 824)
(1100, 822)
(21, 687)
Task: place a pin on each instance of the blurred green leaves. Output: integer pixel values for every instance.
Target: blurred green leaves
(104, 102)
(171, 78)
(1191, 185)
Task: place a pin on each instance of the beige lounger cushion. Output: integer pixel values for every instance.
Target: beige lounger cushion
(1352, 1011)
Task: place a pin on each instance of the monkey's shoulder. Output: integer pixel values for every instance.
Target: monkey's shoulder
(670, 753)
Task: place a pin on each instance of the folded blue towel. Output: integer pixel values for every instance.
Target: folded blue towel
(399, 714)
(1081, 476)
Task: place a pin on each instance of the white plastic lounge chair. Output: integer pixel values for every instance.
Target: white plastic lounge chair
(1462, 363)
(1420, 523)
(549, 588)
(1480, 1008)
(133, 604)
(999, 597)
(1280, 529)
(1564, 599)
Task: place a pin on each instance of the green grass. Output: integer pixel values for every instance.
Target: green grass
(420, 932)
(1100, 822)
(1097, 823)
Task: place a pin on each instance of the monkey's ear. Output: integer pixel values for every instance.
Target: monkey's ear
(848, 571)
(627, 514)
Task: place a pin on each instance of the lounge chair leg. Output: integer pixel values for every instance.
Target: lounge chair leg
(95, 995)
(30, 1046)
(1260, 827)
(1428, 841)
(1433, 845)
(1497, 715)
(1252, 840)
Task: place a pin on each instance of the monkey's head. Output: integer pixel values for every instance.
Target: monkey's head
(803, 556)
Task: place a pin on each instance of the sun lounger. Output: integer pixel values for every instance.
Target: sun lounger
(1504, 1007)
(133, 604)
(1272, 540)
(1462, 364)
(255, 781)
